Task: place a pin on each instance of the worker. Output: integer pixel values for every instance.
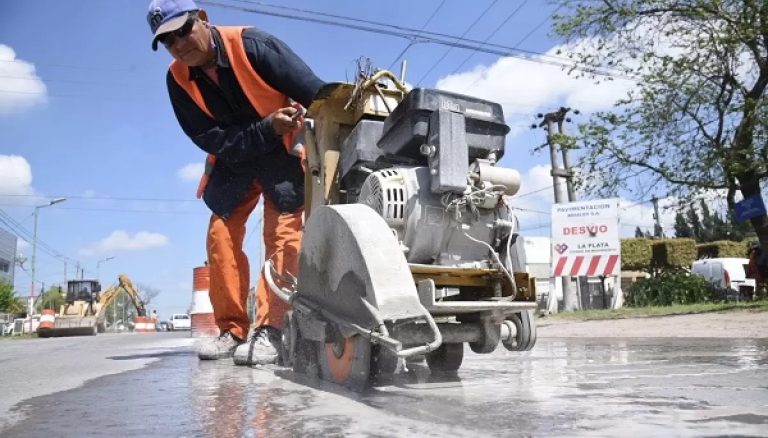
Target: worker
(236, 93)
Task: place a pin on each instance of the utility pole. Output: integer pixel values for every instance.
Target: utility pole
(34, 254)
(570, 302)
(658, 231)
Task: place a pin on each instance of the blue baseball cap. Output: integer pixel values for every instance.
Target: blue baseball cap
(168, 15)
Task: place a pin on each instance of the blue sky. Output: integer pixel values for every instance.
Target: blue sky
(84, 114)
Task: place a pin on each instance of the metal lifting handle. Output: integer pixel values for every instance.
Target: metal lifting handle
(432, 346)
(284, 294)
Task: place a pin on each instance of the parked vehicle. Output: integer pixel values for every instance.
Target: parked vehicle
(728, 275)
(180, 321)
(162, 326)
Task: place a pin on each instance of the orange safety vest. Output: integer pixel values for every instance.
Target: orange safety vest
(264, 99)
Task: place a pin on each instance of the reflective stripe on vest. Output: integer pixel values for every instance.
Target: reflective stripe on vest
(263, 98)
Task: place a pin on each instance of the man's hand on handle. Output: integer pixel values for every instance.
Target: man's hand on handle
(285, 120)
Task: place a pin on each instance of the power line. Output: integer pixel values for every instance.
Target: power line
(636, 204)
(76, 67)
(106, 198)
(547, 213)
(521, 41)
(120, 210)
(410, 43)
(536, 228)
(429, 37)
(471, 26)
(538, 26)
(523, 195)
(17, 229)
(492, 34)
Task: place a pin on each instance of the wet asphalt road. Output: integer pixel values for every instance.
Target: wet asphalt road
(564, 387)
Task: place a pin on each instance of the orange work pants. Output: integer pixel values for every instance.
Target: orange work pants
(230, 271)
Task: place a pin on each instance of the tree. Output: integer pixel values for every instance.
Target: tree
(147, 293)
(708, 232)
(693, 221)
(53, 298)
(682, 229)
(696, 119)
(720, 229)
(9, 302)
(638, 232)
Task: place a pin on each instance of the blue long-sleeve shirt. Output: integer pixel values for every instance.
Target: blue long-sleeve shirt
(243, 140)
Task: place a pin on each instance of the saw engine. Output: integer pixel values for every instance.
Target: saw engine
(410, 249)
(444, 209)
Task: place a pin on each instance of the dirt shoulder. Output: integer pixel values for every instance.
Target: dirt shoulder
(734, 324)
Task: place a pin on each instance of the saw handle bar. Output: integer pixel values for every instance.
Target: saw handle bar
(380, 337)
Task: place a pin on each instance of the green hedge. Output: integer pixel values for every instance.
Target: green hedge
(722, 248)
(636, 254)
(673, 253)
(670, 288)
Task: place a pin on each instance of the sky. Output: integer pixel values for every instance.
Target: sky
(84, 115)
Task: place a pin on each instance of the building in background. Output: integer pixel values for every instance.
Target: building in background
(8, 244)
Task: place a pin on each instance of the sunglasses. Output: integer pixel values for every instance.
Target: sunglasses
(168, 39)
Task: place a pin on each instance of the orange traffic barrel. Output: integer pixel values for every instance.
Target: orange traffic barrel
(47, 320)
(144, 324)
(203, 322)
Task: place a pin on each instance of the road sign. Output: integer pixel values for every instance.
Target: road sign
(585, 238)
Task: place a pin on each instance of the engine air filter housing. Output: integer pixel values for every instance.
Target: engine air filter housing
(385, 192)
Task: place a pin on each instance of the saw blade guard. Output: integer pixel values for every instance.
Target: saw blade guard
(351, 265)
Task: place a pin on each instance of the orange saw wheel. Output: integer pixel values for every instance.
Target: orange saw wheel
(346, 361)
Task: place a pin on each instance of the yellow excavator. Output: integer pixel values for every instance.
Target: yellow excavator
(84, 312)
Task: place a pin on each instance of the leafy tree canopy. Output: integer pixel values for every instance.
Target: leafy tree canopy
(9, 302)
(694, 119)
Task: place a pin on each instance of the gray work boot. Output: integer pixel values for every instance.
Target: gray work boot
(218, 348)
(261, 349)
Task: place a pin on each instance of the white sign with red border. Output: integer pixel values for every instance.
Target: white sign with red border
(585, 238)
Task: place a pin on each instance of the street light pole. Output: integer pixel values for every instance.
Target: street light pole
(34, 255)
(98, 264)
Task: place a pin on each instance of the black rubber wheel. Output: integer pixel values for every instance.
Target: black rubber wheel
(525, 337)
(447, 358)
(383, 363)
(288, 340)
(304, 353)
(491, 337)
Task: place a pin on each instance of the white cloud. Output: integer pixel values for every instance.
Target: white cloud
(21, 87)
(15, 176)
(122, 241)
(191, 172)
(522, 87)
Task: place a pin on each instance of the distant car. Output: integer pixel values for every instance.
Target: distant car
(180, 321)
(163, 326)
(727, 274)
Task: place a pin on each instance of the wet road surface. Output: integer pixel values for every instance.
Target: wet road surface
(564, 387)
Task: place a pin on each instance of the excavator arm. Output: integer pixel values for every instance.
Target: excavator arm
(124, 284)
